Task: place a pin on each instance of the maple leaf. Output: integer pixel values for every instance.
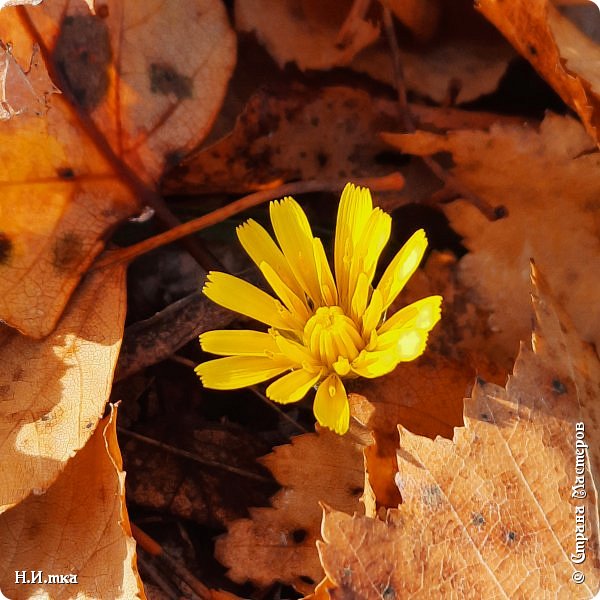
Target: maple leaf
(132, 101)
(549, 182)
(80, 527)
(278, 543)
(490, 513)
(54, 391)
(564, 56)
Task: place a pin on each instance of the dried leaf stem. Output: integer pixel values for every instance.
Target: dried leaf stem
(394, 181)
(192, 456)
(453, 186)
(153, 548)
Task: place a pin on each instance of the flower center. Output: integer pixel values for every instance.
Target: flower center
(331, 335)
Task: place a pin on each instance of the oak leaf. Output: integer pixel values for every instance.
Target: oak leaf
(54, 391)
(132, 101)
(278, 543)
(563, 55)
(550, 183)
(79, 526)
(490, 513)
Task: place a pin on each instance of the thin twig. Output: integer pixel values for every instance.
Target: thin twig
(192, 456)
(157, 578)
(152, 547)
(394, 181)
(408, 124)
(191, 364)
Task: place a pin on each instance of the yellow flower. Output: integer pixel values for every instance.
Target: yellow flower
(322, 329)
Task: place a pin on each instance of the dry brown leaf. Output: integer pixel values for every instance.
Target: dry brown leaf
(278, 544)
(426, 397)
(491, 513)
(463, 61)
(304, 31)
(79, 526)
(54, 391)
(550, 184)
(293, 135)
(138, 100)
(567, 59)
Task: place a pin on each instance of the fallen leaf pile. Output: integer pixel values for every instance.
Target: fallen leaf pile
(471, 472)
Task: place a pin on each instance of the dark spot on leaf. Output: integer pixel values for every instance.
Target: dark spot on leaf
(5, 248)
(299, 535)
(173, 158)
(322, 159)
(485, 417)
(66, 251)
(477, 519)
(102, 11)
(65, 173)
(45, 417)
(389, 593)
(532, 50)
(356, 491)
(480, 381)
(307, 579)
(511, 536)
(500, 212)
(314, 121)
(558, 386)
(88, 425)
(82, 55)
(164, 79)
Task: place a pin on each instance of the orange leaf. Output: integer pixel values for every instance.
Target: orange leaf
(492, 513)
(564, 56)
(278, 544)
(79, 527)
(54, 391)
(132, 101)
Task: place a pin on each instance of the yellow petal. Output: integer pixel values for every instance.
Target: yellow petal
(296, 353)
(331, 406)
(292, 386)
(353, 213)
(295, 238)
(287, 296)
(400, 270)
(242, 297)
(261, 248)
(239, 341)
(374, 364)
(329, 294)
(422, 314)
(372, 315)
(235, 372)
(366, 253)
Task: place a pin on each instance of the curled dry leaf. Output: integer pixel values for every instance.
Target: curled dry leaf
(550, 184)
(54, 391)
(564, 56)
(422, 17)
(278, 543)
(293, 135)
(132, 99)
(79, 526)
(305, 31)
(492, 511)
